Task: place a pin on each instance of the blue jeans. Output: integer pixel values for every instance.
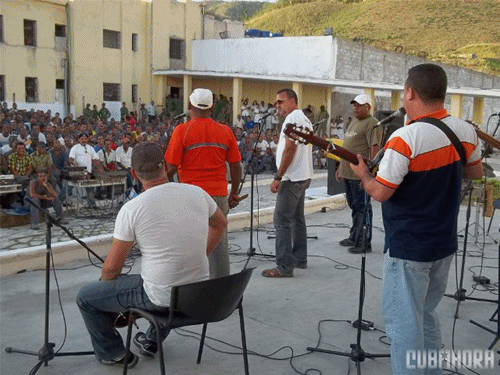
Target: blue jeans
(218, 259)
(44, 203)
(411, 292)
(290, 225)
(99, 299)
(357, 200)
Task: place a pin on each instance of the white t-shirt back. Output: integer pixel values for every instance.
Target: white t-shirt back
(169, 222)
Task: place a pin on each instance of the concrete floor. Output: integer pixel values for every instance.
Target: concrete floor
(283, 316)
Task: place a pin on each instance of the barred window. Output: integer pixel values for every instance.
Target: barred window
(31, 87)
(2, 88)
(135, 45)
(30, 33)
(111, 92)
(60, 31)
(134, 93)
(111, 39)
(176, 48)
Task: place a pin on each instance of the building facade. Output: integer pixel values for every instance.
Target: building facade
(63, 54)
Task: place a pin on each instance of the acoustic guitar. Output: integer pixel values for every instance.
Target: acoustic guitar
(305, 136)
(484, 136)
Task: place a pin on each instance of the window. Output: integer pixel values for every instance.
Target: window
(134, 43)
(1, 28)
(60, 31)
(59, 84)
(134, 93)
(111, 39)
(31, 85)
(111, 92)
(176, 48)
(30, 33)
(2, 88)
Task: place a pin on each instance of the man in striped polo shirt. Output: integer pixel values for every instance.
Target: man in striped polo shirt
(419, 182)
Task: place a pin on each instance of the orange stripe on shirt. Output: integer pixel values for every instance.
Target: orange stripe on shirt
(399, 145)
(385, 182)
(434, 159)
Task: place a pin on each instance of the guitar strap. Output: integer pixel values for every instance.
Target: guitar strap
(449, 133)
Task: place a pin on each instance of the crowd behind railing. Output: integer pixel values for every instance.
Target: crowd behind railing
(40, 141)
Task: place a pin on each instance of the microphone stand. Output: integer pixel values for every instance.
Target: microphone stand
(357, 353)
(460, 294)
(252, 164)
(496, 313)
(46, 352)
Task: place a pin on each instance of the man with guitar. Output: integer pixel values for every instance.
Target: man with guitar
(419, 182)
(363, 137)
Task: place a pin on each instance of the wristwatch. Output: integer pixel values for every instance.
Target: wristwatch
(278, 178)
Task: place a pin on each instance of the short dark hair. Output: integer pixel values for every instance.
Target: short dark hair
(290, 94)
(429, 81)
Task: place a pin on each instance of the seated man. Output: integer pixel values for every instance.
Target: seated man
(174, 243)
(44, 195)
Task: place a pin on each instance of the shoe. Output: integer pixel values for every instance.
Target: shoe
(302, 266)
(146, 347)
(346, 242)
(132, 361)
(34, 227)
(62, 221)
(273, 272)
(359, 249)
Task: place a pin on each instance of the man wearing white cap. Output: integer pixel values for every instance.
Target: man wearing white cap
(362, 137)
(198, 151)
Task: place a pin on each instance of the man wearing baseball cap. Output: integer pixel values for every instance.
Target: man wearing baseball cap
(362, 137)
(198, 151)
(174, 243)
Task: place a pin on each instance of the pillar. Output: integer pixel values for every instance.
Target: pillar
(456, 105)
(237, 96)
(187, 88)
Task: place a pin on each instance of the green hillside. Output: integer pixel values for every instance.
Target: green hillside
(234, 10)
(457, 32)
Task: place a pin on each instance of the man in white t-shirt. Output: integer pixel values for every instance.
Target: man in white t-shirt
(82, 155)
(295, 169)
(124, 159)
(174, 243)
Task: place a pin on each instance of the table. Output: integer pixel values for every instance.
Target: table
(92, 183)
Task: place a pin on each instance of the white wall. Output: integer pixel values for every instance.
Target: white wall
(310, 57)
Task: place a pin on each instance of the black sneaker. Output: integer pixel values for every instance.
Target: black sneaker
(346, 242)
(302, 266)
(146, 347)
(132, 361)
(359, 249)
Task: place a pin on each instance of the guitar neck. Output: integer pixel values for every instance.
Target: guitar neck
(484, 136)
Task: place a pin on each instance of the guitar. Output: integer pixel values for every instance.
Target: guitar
(484, 136)
(306, 136)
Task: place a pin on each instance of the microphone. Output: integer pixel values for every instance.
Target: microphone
(181, 115)
(399, 113)
(265, 116)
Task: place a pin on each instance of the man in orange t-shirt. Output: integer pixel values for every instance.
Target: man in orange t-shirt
(198, 151)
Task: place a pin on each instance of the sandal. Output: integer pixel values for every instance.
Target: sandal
(273, 272)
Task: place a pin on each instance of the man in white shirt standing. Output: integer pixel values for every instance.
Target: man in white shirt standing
(83, 155)
(151, 111)
(295, 169)
(174, 243)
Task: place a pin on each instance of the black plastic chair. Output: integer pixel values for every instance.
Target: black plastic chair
(202, 302)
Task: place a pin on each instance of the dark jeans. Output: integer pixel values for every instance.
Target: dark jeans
(357, 200)
(100, 299)
(290, 224)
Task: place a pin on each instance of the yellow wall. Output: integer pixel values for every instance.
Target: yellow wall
(90, 63)
(18, 61)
